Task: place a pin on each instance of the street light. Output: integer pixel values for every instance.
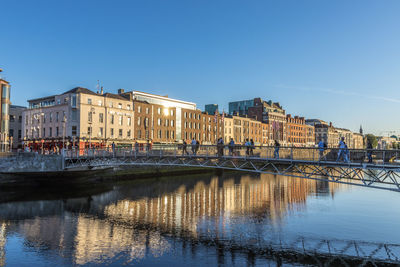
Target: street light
(64, 132)
(91, 128)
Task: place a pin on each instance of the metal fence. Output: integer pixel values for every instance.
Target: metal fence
(373, 156)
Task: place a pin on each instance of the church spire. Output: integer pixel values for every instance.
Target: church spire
(361, 130)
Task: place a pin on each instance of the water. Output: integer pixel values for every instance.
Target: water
(240, 220)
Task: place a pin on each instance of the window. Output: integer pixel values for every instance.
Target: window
(89, 116)
(111, 104)
(19, 134)
(139, 109)
(147, 110)
(57, 117)
(166, 122)
(129, 121)
(57, 132)
(138, 121)
(6, 91)
(74, 130)
(5, 108)
(51, 117)
(100, 103)
(112, 132)
(120, 132)
(146, 122)
(74, 115)
(44, 118)
(172, 123)
(11, 132)
(101, 131)
(128, 107)
(12, 118)
(128, 133)
(44, 132)
(159, 122)
(50, 132)
(120, 120)
(185, 115)
(89, 101)
(172, 112)
(119, 105)
(159, 134)
(89, 131)
(139, 134)
(101, 117)
(112, 119)
(73, 101)
(158, 111)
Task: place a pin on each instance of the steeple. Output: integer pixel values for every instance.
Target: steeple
(361, 130)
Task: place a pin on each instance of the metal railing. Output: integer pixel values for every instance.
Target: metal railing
(337, 155)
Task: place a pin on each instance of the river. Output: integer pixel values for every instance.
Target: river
(198, 220)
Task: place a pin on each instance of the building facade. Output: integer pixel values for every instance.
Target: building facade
(15, 131)
(5, 112)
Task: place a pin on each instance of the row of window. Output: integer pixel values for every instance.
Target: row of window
(110, 104)
(44, 117)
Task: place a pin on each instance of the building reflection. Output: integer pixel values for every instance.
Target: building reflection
(135, 226)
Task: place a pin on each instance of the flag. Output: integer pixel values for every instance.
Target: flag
(223, 116)
(215, 116)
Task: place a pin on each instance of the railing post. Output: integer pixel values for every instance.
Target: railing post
(383, 159)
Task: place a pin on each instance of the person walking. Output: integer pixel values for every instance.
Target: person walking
(276, 151)
(231, 147)
(220, 147)
(113, 149)
(247, 145)
(197, 146)
(251, 147)
(321, 149)
(136, 148)
(341, 149)
(346, 153)
(194, 143)
(369, 151)
(184, 148)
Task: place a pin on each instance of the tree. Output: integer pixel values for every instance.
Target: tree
(372, 138)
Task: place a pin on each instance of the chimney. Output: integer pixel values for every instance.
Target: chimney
(330, 124)
(121, 91)
(101, 90)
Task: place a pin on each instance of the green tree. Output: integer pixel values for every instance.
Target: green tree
(372, 138)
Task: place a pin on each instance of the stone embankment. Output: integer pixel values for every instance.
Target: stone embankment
(30, 162)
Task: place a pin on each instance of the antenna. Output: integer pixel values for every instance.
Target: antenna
(98, 86)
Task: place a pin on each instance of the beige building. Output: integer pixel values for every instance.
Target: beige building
(15, 131)
(4, 111)
(79, 118)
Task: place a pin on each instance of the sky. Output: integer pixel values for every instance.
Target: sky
(333, 60)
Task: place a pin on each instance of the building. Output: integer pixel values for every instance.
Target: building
(358, 141)
(78, 118)
(314, 122)
(211, 108)
(310, 135)
(4, 119)
(296, 130)
(266, 112)
(326, 133)
(15, 131)
(228, 129)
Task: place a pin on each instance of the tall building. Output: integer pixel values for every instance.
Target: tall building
(4, 119)
(15, 131)
(211, 108)
(266, 112)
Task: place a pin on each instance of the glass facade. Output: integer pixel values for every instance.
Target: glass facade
(240, 106)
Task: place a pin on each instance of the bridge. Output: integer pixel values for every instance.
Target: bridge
(309, 163)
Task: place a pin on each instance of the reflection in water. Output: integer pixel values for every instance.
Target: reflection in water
(136, 221)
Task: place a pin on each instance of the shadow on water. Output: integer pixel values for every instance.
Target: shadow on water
(225, 219)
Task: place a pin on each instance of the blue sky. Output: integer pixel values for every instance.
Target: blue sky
(334, 60)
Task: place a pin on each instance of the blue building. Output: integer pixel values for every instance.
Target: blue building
(240, 107)
(211, 108)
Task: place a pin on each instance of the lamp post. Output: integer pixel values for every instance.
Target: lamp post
(64, 130)
(91, 128)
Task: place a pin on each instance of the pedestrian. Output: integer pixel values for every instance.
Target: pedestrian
(136, 147)
(148, 147)
(184, 148)
(194, 143)
(247, 145)
(220, 147)
(341, 149)
(251, 147)
(369, 151)
(113, 149)
(276, 151)
(346, 153)
(197, 146)
(321, 149)
(231, 147)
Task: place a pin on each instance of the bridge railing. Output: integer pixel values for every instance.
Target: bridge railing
(372, 156)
